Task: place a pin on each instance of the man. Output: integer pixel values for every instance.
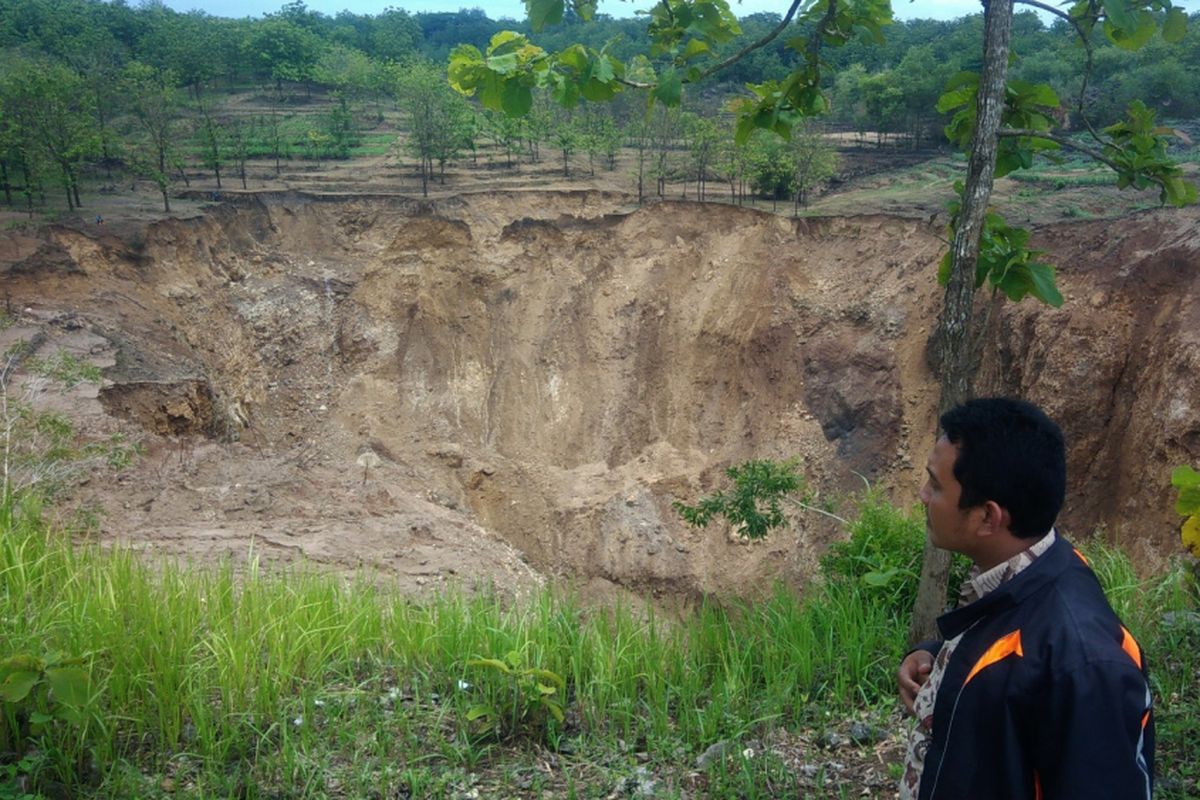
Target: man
(1037, 691)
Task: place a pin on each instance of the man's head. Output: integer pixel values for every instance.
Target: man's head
(999, 466)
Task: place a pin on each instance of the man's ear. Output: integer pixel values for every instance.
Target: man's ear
(996, 519)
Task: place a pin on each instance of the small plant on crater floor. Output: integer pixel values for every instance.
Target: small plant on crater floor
(524, 702)
(754, 506)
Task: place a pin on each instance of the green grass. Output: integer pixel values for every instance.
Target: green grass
(270, 680)
(1058, 178)
(239, 682)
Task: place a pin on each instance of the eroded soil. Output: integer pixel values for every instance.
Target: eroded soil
(501, 386)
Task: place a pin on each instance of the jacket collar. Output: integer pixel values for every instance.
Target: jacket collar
(1030, 580)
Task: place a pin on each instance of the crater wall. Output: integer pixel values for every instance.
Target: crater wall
(546, 372)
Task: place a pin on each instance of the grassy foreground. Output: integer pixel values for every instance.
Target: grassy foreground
(203, 683)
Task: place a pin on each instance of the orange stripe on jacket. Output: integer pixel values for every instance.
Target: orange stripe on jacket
(1005, 646)
(1130, 646)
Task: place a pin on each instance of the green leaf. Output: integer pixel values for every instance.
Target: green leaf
(1175, 26)
(1039, 94)
(1184, 477)
(1013, 281)
(491, 663)
(478, 712)
(21, 661)
(1042, 284)
(694, 48)
(1179, 192)
(546, 690)
(504, 42)
(598, 92)
(492, 92)
(880, 579)
(504, 64)
(669, 90)
(586, 9)
(69, 685)
(18, 684)
(962, 79)
(40, 718)
(543, 12)
(604, 69)
(1121, 13)
(1188, 502)
(575, 57)
(943, 276)
(549, 676)
(1187, 481)
(554, 708)
(1135, 36)
(745, 129)
(517, 99)
(566, 93)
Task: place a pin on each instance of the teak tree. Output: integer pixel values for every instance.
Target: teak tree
(1002, 125)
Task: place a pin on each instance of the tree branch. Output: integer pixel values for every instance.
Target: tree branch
(814, 43)
(635, 84)
(1049, 9)
(1086, 41)
(750, 48)
(1011, 133)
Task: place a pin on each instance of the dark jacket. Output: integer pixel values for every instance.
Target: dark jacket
(1045, 696)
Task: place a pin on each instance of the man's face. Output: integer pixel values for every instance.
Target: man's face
(950, 527)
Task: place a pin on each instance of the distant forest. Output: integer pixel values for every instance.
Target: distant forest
(89, 83)
(871, 85)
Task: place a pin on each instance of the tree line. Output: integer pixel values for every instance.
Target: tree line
(93, 85)
(877, 84)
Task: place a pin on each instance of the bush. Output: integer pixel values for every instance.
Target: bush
(882, 558)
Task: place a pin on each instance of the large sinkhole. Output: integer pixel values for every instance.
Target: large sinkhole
(503, 386)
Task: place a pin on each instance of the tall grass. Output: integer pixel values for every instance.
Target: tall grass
(243, 672)
(238, 682)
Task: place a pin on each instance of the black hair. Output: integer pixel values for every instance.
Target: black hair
(1009, 452)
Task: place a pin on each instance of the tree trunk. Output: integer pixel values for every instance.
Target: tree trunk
(952, 343)
(28, 190)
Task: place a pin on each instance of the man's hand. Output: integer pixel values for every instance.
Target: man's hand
(914, 671)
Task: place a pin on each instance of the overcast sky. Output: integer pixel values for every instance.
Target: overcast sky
(903, 9)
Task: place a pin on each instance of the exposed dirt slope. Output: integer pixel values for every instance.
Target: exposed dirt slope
(540, 373)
